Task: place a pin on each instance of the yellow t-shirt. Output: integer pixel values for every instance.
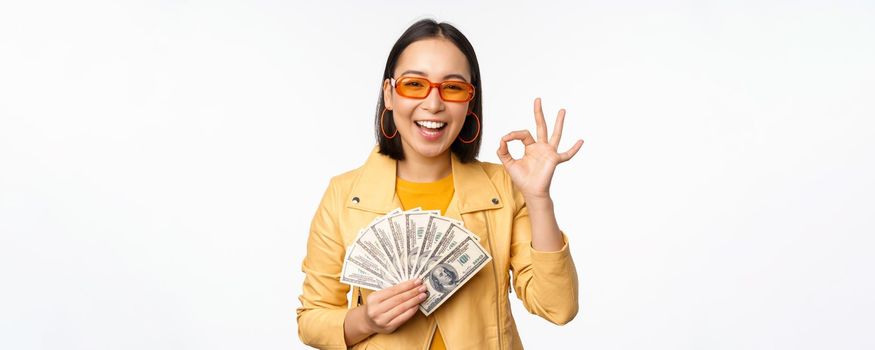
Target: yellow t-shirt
(428, 196)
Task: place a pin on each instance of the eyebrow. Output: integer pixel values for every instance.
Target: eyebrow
(453, 75)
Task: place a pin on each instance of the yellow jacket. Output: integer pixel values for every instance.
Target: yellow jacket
(478, 316)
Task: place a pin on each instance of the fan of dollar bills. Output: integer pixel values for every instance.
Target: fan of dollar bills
(403, 245)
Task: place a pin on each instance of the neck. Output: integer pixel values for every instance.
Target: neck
(417, 168)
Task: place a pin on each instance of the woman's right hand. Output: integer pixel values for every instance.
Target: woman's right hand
(389, 308)
(384, 311)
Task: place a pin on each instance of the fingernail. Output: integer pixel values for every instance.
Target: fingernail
(422, 289)
(417, 282)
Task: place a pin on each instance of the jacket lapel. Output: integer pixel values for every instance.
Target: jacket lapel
(474, 191)
(374, 190)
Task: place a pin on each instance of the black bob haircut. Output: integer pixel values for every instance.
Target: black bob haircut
(427, 29)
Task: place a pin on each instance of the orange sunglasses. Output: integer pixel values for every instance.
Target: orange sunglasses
(419, 88)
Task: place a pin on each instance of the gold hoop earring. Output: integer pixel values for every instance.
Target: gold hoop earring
(476, 134)
(382, 129)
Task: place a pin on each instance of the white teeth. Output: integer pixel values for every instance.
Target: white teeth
(430, 124)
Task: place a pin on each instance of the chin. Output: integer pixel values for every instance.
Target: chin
(431, 151)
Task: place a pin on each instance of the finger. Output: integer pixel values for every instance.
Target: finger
(565, 156)
(540, 122)
(503, 153)
(395, 290)
(392, 304)
(557, 129)
(404, 316)
(408, 303)
(390, 319)
(523, 135)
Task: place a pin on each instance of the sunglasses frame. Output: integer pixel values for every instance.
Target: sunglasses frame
(471, 89)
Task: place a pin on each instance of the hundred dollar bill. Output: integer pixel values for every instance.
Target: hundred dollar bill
(383, 232)
(454, 235)
(409, 240)
(363, 273)
(452, 272)
(435, 230)
(398, 229)
(368, 246)
(417, 224)
(362, 270)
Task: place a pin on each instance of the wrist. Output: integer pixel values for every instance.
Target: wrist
(364, 323)
(356, 327)
(543, 200)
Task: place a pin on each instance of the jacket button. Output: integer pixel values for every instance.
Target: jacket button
(494, 200)
(355, 200)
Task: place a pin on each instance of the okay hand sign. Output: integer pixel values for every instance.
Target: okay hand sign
(533, 172)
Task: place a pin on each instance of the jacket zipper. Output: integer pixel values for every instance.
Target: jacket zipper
(495, 278)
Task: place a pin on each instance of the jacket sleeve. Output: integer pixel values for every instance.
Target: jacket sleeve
(546, 282)
(323, 299)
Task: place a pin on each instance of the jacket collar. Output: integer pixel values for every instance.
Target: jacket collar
(374, 189)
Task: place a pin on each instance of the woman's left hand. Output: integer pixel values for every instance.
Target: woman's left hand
(533, 172)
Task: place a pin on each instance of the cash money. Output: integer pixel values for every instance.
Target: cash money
(362, 270)
(414, 244)
(454, 235)
(377, 251)
(452, 272)
(435, 231)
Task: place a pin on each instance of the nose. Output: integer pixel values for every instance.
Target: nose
(433, 102)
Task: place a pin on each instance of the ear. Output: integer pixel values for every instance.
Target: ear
(387, 94)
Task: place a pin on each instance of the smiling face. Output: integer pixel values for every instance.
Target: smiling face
(428, 126)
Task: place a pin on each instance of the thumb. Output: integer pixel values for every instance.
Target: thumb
(503, 154)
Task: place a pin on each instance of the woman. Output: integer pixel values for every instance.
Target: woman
(428, 126)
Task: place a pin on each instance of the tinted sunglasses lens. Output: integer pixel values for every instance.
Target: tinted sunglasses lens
(456, 91)
(412, 87)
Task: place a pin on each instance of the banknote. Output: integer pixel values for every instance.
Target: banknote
(414, 243)
(437, 227)
(454, 235)
(398, 229)
(365, 274)
(376, 250)
(452, 272)
(417, 224)
(363, 262)
(364, 269)
(387, 243)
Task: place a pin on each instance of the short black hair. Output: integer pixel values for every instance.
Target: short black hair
(426, 29)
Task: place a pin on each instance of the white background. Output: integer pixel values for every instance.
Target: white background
(160, 162)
